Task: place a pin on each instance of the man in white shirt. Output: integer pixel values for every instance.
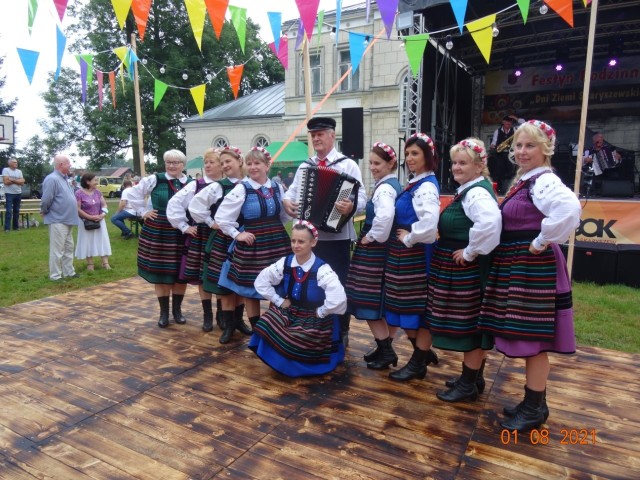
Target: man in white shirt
(333, 248)
(126, 209)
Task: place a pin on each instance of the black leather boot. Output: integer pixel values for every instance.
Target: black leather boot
(529, 415)
(511, 411)
(228, 326)
(386, 357)
(345, 321)
(480, 382)
(163, 321)
(372, 354)
(240, 324)
(176, 309)
(219, 313)
(465, 388)
(415, 368)
(207, 315)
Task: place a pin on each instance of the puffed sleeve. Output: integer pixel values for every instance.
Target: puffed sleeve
(426, 202)
(267, 279)
(482, 209)
(138, 193)
(200, 204)
(384, 201)
(335, 298)
(178, 205)
(560, 206)
(229, 210)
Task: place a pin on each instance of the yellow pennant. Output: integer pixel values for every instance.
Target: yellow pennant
(196, 9)
(121, 7)
(197, 93)
(482, 34)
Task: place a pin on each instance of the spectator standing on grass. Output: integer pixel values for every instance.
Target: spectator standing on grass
(59, 210)
(13, 181)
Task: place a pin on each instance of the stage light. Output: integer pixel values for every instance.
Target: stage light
(613, 62)
(517, 72)
(616, 45)
(449, 43)
(559, 67)
(185, 75)
(562, 57)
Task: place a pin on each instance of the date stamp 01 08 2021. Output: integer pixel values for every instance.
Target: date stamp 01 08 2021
(569, 436)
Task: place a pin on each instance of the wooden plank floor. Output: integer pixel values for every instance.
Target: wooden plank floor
(91, 388)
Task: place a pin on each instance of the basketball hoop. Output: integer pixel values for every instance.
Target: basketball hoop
(6, 130)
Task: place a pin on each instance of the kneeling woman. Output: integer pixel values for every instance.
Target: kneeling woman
(300, 333)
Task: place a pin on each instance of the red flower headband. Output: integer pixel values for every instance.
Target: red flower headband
(426, 139)
(482, 153)
(546, 128)
(308, 225)
(389, 150)
(262, 151)
(235, 150)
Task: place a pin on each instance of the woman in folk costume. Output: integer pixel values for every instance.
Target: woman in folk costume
(262, 239)
(469, 229)
(527, 304)
(410, 247)
(300, 333)
(196, 233)
(203, 207)
(160, 245)
(365, 285)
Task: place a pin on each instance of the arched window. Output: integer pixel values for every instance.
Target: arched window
(261, 141)
(220, 142)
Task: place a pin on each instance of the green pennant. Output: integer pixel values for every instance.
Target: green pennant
(524, 9)
(239, 20)
(414, 46)
(159, 90)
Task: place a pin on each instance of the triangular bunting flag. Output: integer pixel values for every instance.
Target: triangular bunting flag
(356, 49)
(99, 76)
(308, 10)
(524, 9)
(121, 7)
(300, 34)
(61, 7)
(121, 52)
(83, 78)
(459, 10)
(112, 84)
(29, 59)
(414, 45)
(482, 34)
(338, 14)
(158, 92)
(239, 20)
(388, 9)
(140, 9)
(235, 75)
(33, 9)
(564, 8)
(131, 58)
(196, 11)
(61, 43)
(197, 93)
(217, 10)
(283, 53)
(320, 24)
(275, 20)
(88, 58)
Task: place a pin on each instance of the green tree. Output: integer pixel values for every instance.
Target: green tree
(168, 45)
(35, 161)
(6, 151)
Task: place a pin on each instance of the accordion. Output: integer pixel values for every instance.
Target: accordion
(320, 189)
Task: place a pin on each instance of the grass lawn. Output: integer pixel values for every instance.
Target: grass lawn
(606, 316)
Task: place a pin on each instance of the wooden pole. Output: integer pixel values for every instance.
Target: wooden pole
(583, 120)
(136, 90)
(307, 89)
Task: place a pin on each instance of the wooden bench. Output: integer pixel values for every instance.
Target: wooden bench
(28, 208)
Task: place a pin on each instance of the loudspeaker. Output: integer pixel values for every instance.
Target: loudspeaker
(595, 262)
(353, 132)
(629, 265)
(616, 188)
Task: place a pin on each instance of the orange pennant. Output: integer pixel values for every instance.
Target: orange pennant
(112, 84)
(217, 10)
(235, 75)
(140, 10)
(564, 8)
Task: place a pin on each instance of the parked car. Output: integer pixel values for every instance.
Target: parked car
(29, 191)
(110, 186)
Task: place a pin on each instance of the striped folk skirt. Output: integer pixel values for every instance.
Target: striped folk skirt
(160, 249)
(527, 303)
(247, 261)
(216, 253)
(405, 284)
(191, 266)
(365, 282)
(454, 300)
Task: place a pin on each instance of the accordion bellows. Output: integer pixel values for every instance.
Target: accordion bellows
(320, 189)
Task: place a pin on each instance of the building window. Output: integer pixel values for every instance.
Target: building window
(220, 142)
(316, 74)
(404, 98)
(261, 141)
(352, 82)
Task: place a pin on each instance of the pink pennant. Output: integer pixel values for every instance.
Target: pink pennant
(99, 76)
(308, 10)
(61, 7)
(283, 51)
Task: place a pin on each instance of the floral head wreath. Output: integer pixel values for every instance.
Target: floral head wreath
(482, 153)
(235, 150)
(263, 151)
(389, 150)
(426, 139)
(546, 128)
(309, 225)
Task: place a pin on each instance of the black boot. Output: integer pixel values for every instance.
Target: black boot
(163, 322)
(465, 388)
(480, 383)
(228, 326)
(386, 357)
(529, 415)
(176, 309)
(219, 313)
(345, 321)
(253, 321)
(415, 368)
(240, 324)
(207, 315)
(511, 411)
(372, 354)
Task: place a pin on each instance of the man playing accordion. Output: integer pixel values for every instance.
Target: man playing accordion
(601, 156)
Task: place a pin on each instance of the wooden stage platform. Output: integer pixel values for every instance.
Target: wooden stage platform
(91, 388)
